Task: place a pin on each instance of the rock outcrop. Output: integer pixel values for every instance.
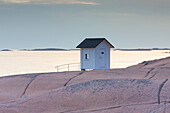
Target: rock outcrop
(143, 88)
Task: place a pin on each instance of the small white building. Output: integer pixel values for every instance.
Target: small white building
(95, 53)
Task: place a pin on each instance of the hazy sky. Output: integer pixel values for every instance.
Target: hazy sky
(65, 23)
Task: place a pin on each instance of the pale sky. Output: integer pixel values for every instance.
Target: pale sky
(65, 23)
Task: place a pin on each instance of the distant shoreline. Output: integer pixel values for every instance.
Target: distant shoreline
(60, 49)
(44, 49)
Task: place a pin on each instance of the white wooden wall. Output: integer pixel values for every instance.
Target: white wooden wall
(88, 63)
(102, 46)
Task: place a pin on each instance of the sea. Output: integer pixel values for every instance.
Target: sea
(23, 62)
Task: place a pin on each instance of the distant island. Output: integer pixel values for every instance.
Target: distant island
(46, 49)
(5, 50)
(143, 49)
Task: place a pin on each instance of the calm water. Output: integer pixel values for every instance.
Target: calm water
(19, 62)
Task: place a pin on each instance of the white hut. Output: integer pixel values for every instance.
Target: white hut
(95, 53)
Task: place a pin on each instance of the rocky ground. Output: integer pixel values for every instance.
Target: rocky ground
(143, 88)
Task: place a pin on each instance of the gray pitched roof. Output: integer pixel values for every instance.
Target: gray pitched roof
(92, 43)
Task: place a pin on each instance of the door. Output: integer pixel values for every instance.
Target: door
(102, 58)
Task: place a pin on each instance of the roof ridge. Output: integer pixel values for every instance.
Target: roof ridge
(92, 43)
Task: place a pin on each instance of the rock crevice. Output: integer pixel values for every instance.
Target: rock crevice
(152, 76)
(160, 89)
(147, 74)
(74, 77)
(32, 79)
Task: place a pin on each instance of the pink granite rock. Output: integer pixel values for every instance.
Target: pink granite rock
(12, 87)
(143, 88)
(46, 82)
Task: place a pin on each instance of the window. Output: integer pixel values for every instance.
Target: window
(87, 56)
